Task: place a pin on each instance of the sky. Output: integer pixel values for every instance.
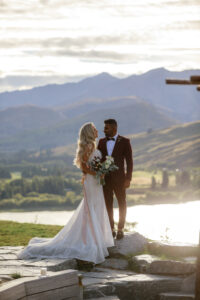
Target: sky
(58, 41)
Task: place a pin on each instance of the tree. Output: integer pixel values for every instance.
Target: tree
(153, 183)
(178, 177)
(185, 178)
(4, 173)
(149, 130)
(165, 179)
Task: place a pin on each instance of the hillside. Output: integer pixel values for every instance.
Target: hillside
(133, 115)
(174, 147)
(15, 120)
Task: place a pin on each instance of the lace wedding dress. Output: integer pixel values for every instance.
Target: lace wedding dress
(86, 236)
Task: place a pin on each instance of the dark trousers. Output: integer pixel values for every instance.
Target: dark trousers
(120, 193)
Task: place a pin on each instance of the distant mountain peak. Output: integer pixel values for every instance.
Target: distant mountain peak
(157, 71)
(104, 75)
(101, 77)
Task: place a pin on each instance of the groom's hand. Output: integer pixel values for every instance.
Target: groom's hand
(127, 183)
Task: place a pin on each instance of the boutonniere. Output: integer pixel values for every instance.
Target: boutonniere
(119, 139)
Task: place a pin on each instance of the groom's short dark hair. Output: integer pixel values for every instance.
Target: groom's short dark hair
(111, 122)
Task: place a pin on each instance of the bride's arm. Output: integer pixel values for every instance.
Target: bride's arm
(84, 165)
(86, 169)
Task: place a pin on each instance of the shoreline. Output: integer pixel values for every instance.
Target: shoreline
(70, 208)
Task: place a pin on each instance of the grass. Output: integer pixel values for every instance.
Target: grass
(19, 234)
(16, 175)
(16, 275)
(142, 178)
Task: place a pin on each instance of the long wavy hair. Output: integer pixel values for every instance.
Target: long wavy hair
(86, 139)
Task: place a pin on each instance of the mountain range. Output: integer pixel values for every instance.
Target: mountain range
(50, 116)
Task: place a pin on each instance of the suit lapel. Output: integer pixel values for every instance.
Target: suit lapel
(116, 145)
(105, 147)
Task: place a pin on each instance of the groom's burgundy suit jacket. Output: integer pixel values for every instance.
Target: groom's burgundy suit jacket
(122, 153)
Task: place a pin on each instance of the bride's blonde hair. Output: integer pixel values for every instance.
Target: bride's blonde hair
(86, 143)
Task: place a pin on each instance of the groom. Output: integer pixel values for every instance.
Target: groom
(116, 182)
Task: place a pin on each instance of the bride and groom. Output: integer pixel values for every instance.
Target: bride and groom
(90, 231)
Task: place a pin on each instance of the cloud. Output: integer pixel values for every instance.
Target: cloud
(75, 43)
(110, 56)
(94, 36)
(189, 25)
(183, 2)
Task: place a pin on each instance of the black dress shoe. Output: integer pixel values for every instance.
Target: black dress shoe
(114, 233)
(120, 234)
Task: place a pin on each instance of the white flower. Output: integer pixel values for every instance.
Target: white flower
(107, 166)
(109, 159)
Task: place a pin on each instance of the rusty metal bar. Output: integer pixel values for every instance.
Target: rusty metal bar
(177, 81)
(197, 283)
(195, 79)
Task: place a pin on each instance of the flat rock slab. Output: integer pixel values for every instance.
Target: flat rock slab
(107, 298)
(176, 296)
(11, 248)
(174, 250)
(129, 286)
(9, 264)
(52, 264)
(115, 263)
(188, 284)
(171, 267)
(155, 265)
(141, 263)
(107, 274)
(5, 278)
(8, 256)
(22, 271)
(131, 243)
(57, 286)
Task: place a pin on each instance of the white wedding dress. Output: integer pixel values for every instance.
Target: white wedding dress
(86, 236)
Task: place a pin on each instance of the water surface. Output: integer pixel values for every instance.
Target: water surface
(172, 222)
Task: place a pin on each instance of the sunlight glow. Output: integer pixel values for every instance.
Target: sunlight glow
(178, 223)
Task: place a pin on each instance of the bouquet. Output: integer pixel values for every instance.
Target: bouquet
(102, 168)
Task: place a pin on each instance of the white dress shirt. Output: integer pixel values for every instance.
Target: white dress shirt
(111, 144)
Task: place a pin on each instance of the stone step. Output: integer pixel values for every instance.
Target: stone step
(127, 285)
(132, 243)
(176, 296)
(115, 263)
(172, 249)
(9, 264)
(57, 286)
(152, 264)
(106, 298)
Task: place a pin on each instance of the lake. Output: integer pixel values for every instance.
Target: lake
(173, 222)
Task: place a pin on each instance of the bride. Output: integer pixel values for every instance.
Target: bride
(87, 235)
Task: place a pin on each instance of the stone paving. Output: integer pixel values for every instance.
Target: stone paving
(127, 277)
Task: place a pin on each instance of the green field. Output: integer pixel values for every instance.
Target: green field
(19, 234)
